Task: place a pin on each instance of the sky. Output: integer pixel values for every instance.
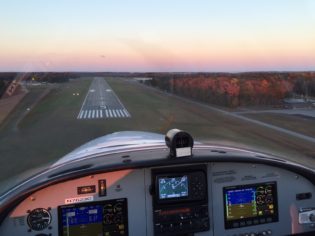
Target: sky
(157, 35)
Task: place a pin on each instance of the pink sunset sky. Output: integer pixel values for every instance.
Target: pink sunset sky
(116, 35)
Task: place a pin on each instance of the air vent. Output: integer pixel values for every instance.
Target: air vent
(224, 179)
(218, 151)
(126, 161)
(224, 172)
(19, 221)
(269, 158)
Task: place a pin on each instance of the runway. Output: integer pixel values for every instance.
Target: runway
(101, 102)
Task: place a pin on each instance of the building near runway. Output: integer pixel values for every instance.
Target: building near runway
(142, 79)
(297, 103)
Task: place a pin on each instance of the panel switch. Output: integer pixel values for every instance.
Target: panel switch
(307, 217)
(303, 196)
(102, 187)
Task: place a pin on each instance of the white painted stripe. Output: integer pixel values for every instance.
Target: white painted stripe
(106, 113)
(122, 114)
(91, 85)
(89, 114)
(126, 113)
(80, 114)
(118, 114)
(101, 113)
(110, 112)
(96, 113)
(93, 112)
(114, 113)
(85, 113)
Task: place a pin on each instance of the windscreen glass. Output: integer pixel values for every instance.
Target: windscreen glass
(233, 73)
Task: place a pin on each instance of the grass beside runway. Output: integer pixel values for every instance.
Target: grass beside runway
(164, 112)
(297, 123)
(52, 129)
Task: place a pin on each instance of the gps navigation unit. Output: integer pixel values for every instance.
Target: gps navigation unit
(180, 200)
(175, 187)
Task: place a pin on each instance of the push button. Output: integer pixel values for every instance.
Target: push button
(236, 225)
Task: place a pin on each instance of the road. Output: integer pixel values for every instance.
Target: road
(101, 102)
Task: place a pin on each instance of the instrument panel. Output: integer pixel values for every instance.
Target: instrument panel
(228, 199)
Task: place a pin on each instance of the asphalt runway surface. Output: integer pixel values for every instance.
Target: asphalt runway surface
(101, 102)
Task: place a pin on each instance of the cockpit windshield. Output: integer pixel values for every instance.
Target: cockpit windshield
(235, 73)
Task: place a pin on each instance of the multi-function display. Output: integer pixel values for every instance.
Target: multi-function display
(94, 219)
(246, 205)
(180, 200)
(175, 187)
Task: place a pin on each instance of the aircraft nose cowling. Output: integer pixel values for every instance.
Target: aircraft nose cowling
(113, 141)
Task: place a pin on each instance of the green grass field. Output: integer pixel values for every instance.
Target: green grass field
(51, 130)
(300, 124)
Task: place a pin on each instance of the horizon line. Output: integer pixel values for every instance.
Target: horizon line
(169, 72)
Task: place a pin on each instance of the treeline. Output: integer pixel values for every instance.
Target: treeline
(239, 89)
(5, 79)
(51, 77)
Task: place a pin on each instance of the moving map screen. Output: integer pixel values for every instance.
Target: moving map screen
(173, 187)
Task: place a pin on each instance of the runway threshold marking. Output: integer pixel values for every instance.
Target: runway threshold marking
(94, 105)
